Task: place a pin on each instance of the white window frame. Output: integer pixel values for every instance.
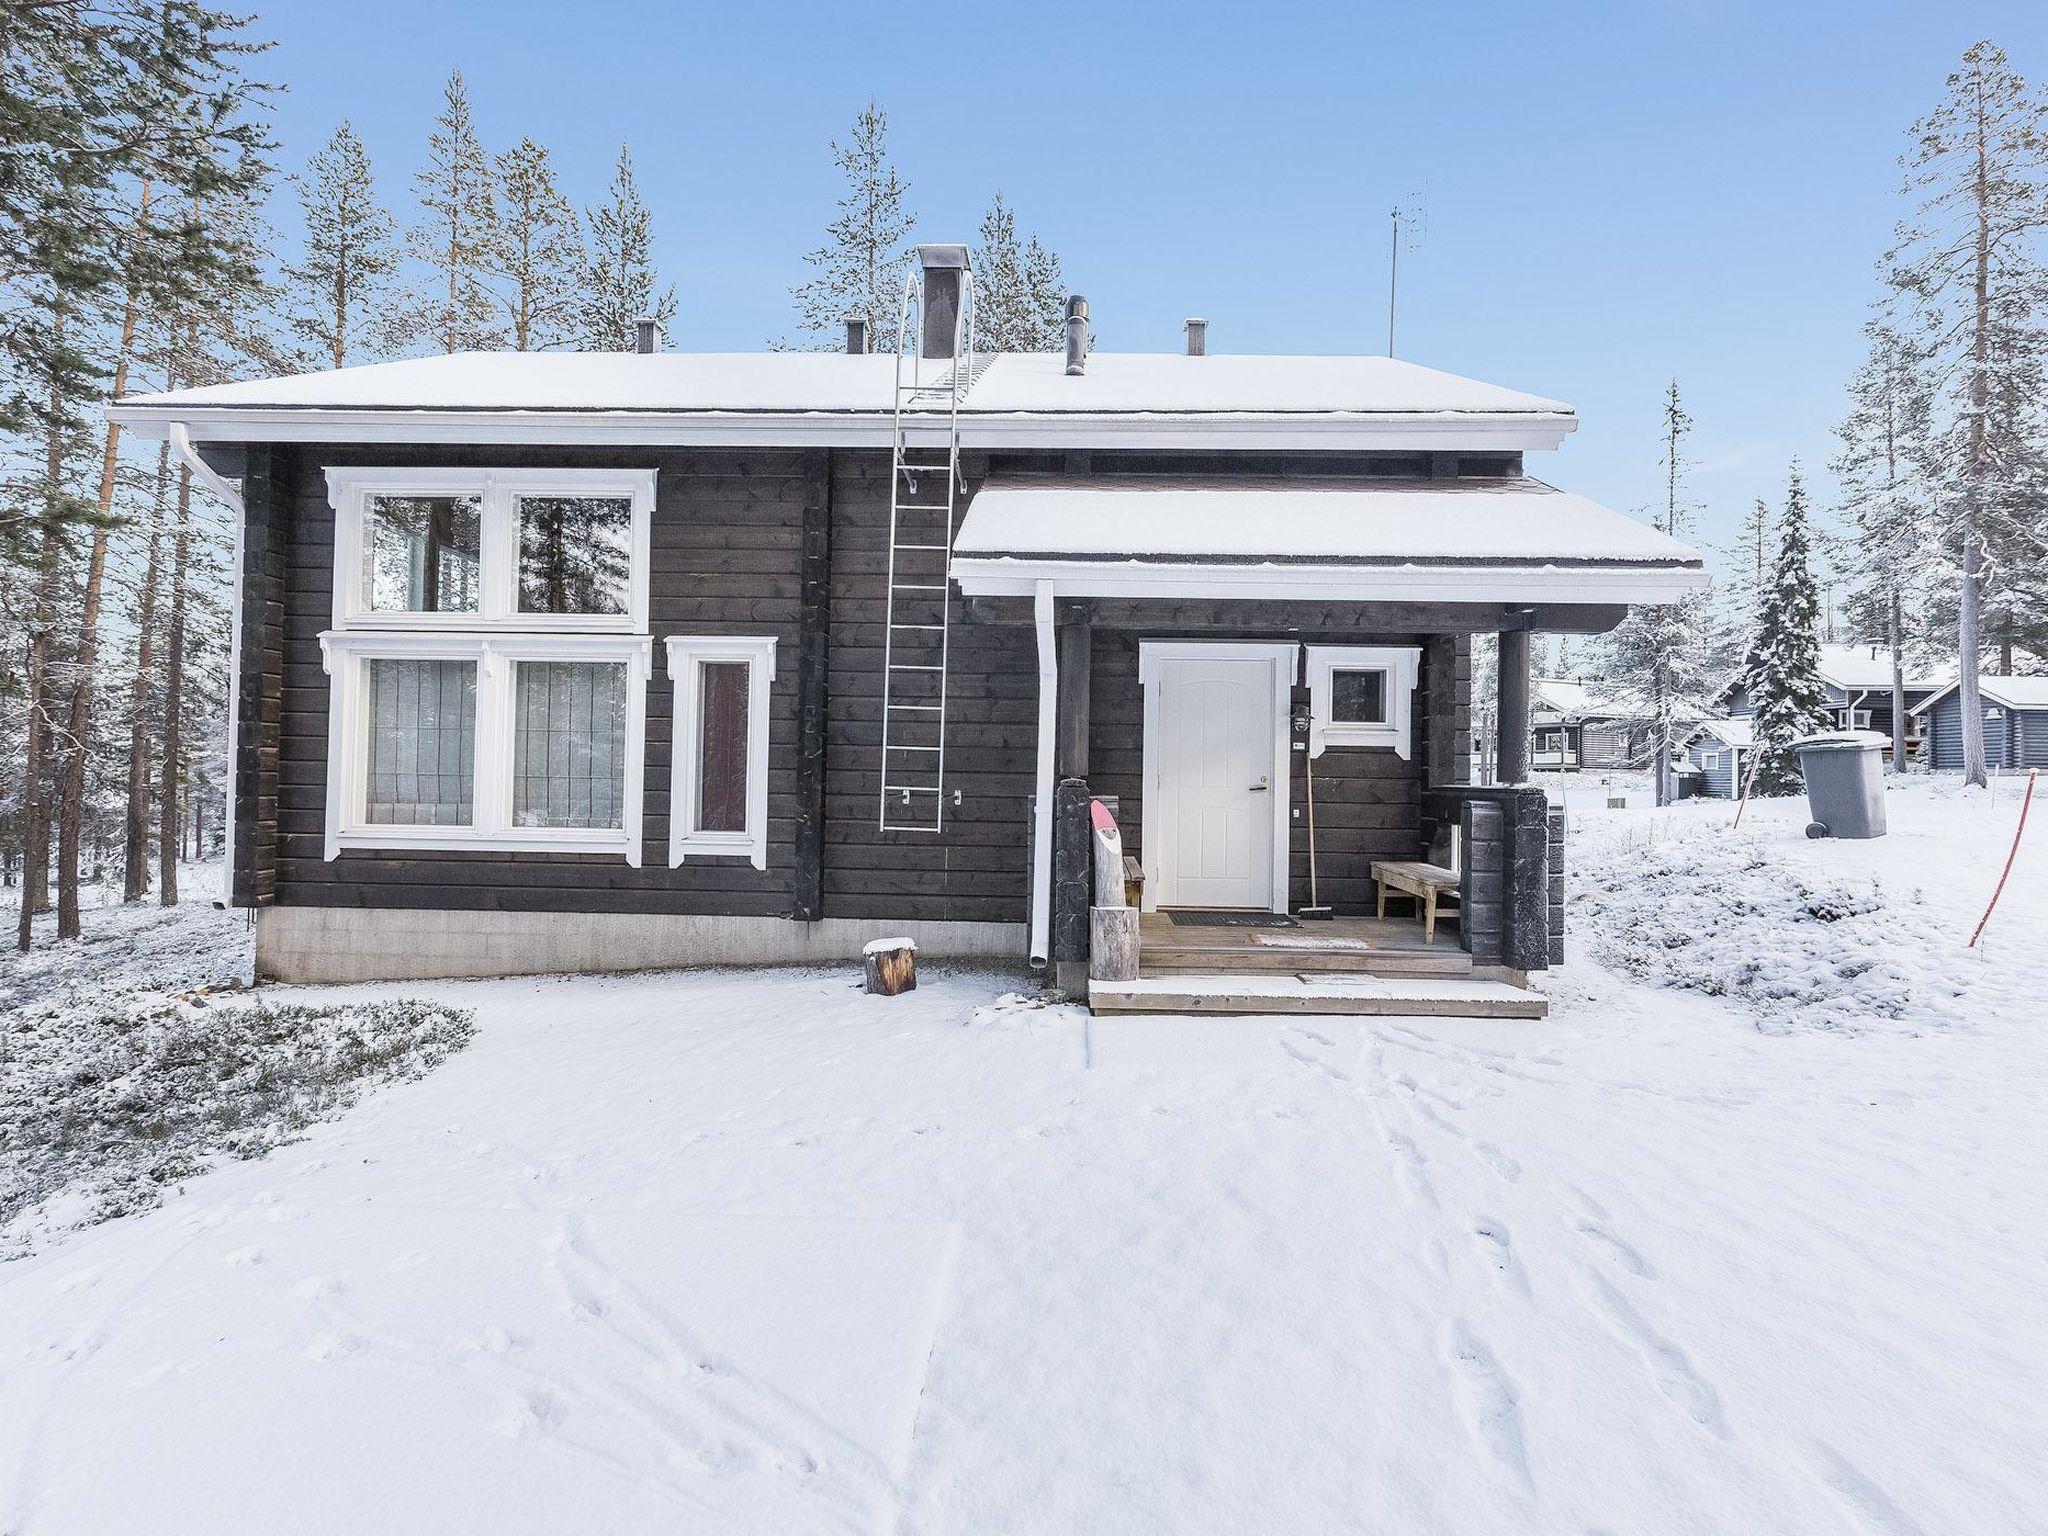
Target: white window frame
(1710, 762)
(685, 654)
(1401, 663)
(348, 740)
(350, 487)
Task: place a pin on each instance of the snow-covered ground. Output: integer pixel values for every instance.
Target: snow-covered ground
(755, 1252)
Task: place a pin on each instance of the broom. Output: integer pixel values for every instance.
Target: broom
(1315, 911)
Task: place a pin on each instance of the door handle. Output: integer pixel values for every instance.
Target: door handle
(1261, 787)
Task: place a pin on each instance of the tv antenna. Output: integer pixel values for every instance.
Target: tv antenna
(1404, 215)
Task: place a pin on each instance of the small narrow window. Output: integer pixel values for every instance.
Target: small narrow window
(569, 744)
(718, 794)
(423, 554)
(1358, 696)
(422, 743)
(575, 554)
(1710, 761)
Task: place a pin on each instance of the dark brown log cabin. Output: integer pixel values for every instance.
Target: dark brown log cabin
(583, 661)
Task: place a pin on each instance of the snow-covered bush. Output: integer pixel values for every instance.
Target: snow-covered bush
(104, 1108)
(1734, 914)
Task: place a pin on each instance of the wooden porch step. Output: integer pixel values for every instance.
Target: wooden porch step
(1354, 995)
(1160, 959)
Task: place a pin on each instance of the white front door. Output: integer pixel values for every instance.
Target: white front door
(1215, 791)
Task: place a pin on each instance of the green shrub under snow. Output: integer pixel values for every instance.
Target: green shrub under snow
(103, 1110)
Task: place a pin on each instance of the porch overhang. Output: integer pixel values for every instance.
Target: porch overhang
(1491, 542)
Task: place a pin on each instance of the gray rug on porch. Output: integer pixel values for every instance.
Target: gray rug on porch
(1183, 918)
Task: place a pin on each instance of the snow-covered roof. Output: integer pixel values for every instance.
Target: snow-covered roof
(1867, 668)
(822, 397)
(1480, 540)
(2011, 692)
(1574, 698)
(1739, 731)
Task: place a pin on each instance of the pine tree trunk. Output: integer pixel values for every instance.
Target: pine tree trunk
(170, 830)
(135, 853)
(1898, 639)
(1977, 474)
(35, 802)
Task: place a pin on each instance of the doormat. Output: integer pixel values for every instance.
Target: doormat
(1182, 918)
(1306, 941)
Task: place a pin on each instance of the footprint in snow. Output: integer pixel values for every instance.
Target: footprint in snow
(243, 1258)
(1615, 1249)
(1487, 1403)
(1667, 1364)
(329, 1347)
(1310, 1059)
(1498, 1253)
(313, 1287)
(1408, 1166)
(80, 1279)
(529, 1414)
(1501, 1164)
(1863, 1498)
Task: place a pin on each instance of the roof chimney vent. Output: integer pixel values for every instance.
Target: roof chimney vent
(945, 267)
(1198, 336)
(1077, 335)
(647, 334)
(856, 335)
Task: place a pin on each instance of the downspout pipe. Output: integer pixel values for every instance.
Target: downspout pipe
(1041, 806)
(206, 475)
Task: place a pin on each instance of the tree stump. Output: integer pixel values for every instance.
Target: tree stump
(1113, 944)
(891, 966)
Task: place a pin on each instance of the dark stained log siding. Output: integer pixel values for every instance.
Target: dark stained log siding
(724, 547)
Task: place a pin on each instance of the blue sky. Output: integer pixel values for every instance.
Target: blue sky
(1613, 194)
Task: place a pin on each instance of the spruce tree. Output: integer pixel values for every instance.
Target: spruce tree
(339, 294)
(860, 267)
(619, 281)
(539, 256)
(1782, 678)
(457, 232)
(1019, 292)
(1967, 266)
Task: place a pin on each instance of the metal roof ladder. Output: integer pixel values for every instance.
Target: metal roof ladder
(924, 493)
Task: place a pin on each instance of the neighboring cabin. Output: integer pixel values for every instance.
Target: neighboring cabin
(2015, 723)
(577, 661)
(1858, 680)
(1720, 750)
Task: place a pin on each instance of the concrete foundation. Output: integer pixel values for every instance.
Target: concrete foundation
(345, 944)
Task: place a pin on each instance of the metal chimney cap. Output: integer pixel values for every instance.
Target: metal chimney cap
(944, 258)
(1077, 307)
(647, 334)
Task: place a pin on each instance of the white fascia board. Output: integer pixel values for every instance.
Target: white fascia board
(1332, 583)
(1508, 432)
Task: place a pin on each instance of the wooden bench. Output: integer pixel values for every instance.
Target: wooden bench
(1427, 883)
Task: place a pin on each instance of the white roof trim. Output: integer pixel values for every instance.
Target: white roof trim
(1990, 688)
(1339, 583)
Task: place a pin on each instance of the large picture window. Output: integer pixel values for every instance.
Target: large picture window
(489, 659)
(718, 784)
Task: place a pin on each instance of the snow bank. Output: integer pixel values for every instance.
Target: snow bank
(1803, 935)
(101, 1111)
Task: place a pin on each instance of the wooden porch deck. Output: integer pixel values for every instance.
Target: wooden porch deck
(1369, 946)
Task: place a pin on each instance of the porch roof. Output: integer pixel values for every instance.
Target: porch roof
(1483, 541)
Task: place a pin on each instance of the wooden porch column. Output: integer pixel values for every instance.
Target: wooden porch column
(1075, 643)
(1512, 724)
(1072, 836)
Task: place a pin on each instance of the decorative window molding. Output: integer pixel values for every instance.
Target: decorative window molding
(493, 787)
(1710, 762)
(356, 493)
(687, 657)
(1398, 664)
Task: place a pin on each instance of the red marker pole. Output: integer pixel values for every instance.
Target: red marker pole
(2013, 853)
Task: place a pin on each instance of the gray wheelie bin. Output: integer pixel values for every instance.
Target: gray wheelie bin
(1844, 773)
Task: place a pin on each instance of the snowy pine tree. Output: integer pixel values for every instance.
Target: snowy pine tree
(619, 282)
(1782, 676)
(539, 256)
(1967, 265)
(1020, 300)
(860, 267)
(338, 295)
(457, 233)
(1658, 659)
(1889, 529)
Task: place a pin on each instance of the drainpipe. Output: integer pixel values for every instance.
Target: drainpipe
(204, 473)
(1041, 813)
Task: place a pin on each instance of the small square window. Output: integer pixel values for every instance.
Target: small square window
(1358, 696)
(575, 554)
(423, 554)
(422, 743)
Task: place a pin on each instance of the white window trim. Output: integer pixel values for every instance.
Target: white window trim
(349, 488)
(685, 652)
(344, 656)
(1401, 663)
(1710, 762)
